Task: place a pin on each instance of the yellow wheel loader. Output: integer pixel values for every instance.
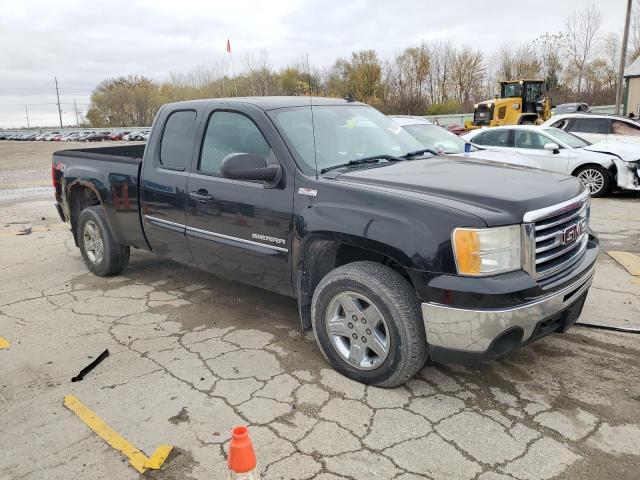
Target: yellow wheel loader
(520, 102)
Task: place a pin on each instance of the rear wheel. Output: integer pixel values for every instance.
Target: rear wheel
(100, 252)
(596, 179)
(367, 322)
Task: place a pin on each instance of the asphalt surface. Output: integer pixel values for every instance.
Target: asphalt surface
(192, 355)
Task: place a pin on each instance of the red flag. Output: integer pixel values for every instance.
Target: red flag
(228, 46)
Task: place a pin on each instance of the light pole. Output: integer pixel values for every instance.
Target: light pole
(623, 57)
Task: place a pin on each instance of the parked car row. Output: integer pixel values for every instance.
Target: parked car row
(77, 136)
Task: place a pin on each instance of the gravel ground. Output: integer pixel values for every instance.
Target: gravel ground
(192, 355)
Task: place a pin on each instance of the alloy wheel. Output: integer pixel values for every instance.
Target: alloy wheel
(592, 179)
(357, 330)
(92, 241)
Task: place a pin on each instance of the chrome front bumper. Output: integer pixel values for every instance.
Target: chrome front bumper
(468, 334)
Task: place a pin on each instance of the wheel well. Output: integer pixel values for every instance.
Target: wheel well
(80, 198)
(320, 258)
(575, 172)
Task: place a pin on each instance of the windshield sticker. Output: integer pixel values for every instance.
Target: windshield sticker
(395, 128)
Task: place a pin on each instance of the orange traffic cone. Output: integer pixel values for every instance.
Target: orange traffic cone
(242, 458)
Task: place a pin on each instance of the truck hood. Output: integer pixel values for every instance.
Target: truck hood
(496, 193)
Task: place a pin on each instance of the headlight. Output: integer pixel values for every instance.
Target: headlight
(487, 251)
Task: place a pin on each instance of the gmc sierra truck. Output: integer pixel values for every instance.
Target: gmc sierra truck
(394, 253)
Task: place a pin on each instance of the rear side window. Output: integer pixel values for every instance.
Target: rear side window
(590, 125)
(227, 133)
(494, 138)
(624, 128)
(176, 146)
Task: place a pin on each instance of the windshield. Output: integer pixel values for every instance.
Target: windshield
(511, 90)
(567, 138)
(437, 138)
(342, 133)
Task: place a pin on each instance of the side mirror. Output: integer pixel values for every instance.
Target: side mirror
(249, 166)
(552, 147)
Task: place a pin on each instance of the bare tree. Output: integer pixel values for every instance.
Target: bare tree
(582, 25)
(258, 71)
(611, 59)
(550, 47)
(467, 71)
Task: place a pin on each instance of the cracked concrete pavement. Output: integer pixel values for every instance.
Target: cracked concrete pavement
(193, 355)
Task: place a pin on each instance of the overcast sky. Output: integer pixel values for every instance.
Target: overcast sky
(83, 43)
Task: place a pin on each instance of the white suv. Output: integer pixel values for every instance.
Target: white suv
(597, 128)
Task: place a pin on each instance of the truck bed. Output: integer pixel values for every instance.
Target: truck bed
(112, 174)
(119, 153)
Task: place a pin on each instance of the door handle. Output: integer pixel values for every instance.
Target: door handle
(201, 196)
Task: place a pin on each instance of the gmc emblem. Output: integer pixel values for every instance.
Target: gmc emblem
(571, 234)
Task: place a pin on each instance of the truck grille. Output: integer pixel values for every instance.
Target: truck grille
(557, 237)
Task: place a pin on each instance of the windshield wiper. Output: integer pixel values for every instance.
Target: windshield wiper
(362, 161)
(415, 153)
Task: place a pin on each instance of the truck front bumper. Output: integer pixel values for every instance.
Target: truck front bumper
(462, 335)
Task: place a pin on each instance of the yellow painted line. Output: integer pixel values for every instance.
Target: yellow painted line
(630, 261)
(4, 343)
(46, 228)
(137, 459)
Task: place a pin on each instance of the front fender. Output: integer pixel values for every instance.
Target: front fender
(415, 234)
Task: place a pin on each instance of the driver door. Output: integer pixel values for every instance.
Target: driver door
(531, 144)
(238, 229)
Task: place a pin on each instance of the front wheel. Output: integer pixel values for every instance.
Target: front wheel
(596, 179)
(367, 321)
(100, 252)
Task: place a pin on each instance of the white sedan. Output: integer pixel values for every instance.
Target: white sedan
(443, 141)
(600, 166)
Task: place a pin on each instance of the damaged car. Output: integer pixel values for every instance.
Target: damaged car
(601, 167)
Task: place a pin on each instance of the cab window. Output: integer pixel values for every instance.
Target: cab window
(227, 133)
(176, 146)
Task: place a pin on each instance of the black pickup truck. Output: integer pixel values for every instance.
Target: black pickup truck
(393, 253)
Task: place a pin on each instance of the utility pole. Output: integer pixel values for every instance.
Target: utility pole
(58, 95)
(26, 110)
(75, 109)
(623, 57)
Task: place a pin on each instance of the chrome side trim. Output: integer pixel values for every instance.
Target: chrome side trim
(557, 209)
(474, 330)
(198, 232)
(159, 222)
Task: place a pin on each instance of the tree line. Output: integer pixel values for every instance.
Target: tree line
(579, 63)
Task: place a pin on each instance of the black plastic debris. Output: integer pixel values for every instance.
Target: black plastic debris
(91, 366)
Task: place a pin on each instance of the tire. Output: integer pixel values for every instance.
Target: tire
(100, 252)
(388, 304)
(596, 179)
